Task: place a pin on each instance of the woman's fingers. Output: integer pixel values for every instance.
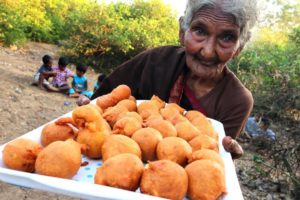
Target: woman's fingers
(233, 147)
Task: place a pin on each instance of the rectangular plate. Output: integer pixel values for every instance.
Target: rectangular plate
(81, 185)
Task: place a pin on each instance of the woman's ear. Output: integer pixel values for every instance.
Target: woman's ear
(181, 32)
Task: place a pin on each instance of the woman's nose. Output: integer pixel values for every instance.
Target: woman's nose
(208, 50)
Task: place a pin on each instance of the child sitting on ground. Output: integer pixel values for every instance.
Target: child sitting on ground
(99, 81)
(63, 73)
(41, 77)
(80, 83)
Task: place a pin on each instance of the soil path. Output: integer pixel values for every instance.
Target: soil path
(24, 107)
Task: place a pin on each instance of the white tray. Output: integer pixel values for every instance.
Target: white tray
(81, 185)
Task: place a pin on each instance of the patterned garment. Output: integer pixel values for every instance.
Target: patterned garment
(61, 77)
(179, 88)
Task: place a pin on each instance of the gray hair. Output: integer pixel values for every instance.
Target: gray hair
(244, 12)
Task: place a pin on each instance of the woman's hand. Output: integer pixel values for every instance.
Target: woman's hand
(233, 147)
(82, 100)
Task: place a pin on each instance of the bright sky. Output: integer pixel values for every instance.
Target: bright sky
(178, 5)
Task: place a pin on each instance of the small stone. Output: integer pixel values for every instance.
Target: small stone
(18, 90)
(269, 197)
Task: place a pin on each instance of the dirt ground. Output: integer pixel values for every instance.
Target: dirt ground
(24, 107)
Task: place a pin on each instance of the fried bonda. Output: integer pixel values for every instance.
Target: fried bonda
(131, 114)
(175, 106)
(119, 93)
(53, 132)
(147, 139)
(92, 127)
(21, 154)
(206, 180)
(118, 144)
(204, 142)
(132, 98)
(129, 104)
(193, 114)
(59, 159)
(163, 126)
(169, 113)
(153, 117)
(175, 149)
(206, 154)
(121, 171)
(111, 114)
(202, 123)
(147, 108)
(127, 126)
(159, 103)
(165, 179)
(186, 130)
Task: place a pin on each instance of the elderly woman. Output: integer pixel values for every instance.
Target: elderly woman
(195, 75)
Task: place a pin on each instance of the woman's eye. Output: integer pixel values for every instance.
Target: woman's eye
(199, 31)
(228, 38)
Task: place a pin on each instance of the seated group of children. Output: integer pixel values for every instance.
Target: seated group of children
(60, 75)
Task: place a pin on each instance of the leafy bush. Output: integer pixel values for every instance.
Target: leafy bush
(111, 33)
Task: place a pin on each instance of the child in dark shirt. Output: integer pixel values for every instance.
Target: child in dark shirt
(41, 77)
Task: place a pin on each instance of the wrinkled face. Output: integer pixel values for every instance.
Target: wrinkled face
(210, 42)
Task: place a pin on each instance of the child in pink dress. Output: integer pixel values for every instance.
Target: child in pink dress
(60, 81)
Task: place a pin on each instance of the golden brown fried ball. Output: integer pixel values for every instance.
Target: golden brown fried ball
(131, 114)
(21, 154)
(97, 108)
(92, 142)
(186, 130)
(93, 129)
(206, 180)
(159, 103)
(178, 119)
(147, 139)
(106, 101)
(193, 114)
(129, 104)
(204, 142)
(206, 154)
(147, 108)
(153, 117)
(118, 144)
(169, 113)
(127, 126)
(53, 132)
(59, 159)
(132, 98)
(111, 114)
(121, 171)
(202, 123)
(163, 126)
(119, 93)
(175, 149)
(175, 106)
(165, 179)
